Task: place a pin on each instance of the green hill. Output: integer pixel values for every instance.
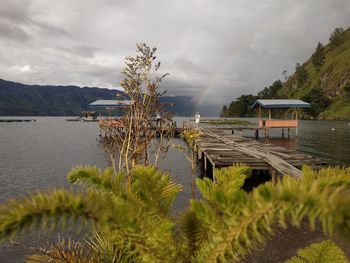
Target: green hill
(323, 80)
(331, 81)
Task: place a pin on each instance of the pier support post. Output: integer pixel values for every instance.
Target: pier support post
(282, 133)
(212, 169)
(288, 133)
(256, 134)
(273, 177)
(199, 155)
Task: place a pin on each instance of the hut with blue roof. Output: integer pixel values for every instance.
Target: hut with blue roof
(270, 105)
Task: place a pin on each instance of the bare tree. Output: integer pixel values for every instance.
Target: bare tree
(131, 139)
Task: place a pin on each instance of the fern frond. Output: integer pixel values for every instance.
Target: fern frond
(193, 231)
(94, 177)
(102, 245)
(156, 189)
(234, 232)
(66, 250)
(325, 252)
(39, 209)
(227, 181)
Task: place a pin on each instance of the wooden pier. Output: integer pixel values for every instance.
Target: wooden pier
(218, 149)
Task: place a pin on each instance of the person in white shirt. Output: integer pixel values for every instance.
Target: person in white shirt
(158, 119)
(197, 117)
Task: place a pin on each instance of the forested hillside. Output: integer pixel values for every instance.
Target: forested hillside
(323, 80)
(18, 99)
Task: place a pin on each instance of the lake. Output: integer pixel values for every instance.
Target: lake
(38, 155)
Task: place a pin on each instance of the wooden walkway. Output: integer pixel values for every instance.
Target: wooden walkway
(218, 149)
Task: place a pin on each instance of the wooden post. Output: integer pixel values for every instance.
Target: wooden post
(200, 155)
(256, 134)
(205, 165)
(282, 133)
(288, 133)
(296, 118)
(273, 177)
(212, 169)
(269, 114)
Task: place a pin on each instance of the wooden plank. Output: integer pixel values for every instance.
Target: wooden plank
(229, 149)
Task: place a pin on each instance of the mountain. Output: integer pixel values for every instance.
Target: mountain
(18, 99)
(323, 81)
(327, 84)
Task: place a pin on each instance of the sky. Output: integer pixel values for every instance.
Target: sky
(214, 50)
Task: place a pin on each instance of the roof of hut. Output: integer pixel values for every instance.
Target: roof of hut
(278, 103)
(110, 103)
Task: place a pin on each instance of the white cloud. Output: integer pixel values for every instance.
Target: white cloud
(26, 68)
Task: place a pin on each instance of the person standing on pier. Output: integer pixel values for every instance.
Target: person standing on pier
(197, 117)
(158, 120)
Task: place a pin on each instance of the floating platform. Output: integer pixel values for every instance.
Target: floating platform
(17, 120)
(83, 120)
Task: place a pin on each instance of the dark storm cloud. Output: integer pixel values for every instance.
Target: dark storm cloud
(13, 32)
(15, 11)
(213, 50)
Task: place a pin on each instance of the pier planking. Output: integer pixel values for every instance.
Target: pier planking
(221, 150)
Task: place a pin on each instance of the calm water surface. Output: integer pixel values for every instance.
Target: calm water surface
(38, 155)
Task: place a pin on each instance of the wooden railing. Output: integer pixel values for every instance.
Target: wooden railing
(278, 123)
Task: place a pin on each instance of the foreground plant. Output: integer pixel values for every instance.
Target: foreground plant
(325, 252)
(132, 137)
(136, 224)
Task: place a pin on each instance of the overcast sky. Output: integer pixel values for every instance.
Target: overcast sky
(215, 49)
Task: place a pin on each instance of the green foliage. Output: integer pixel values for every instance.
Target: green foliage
(318, 57)
(92, 176)
(154, 188)
(136, 225)
(332, 68)
(318, 100)
(66, 250)
(347, 87)
(271, 91)
(240, 107)
(336, 37)
(37, 210)
(235, 223)
(325, 251)
(301, 74)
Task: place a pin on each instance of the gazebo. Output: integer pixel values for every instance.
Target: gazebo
(271, 104)
(279, 104)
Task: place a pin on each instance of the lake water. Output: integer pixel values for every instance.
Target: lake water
(38, 155)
